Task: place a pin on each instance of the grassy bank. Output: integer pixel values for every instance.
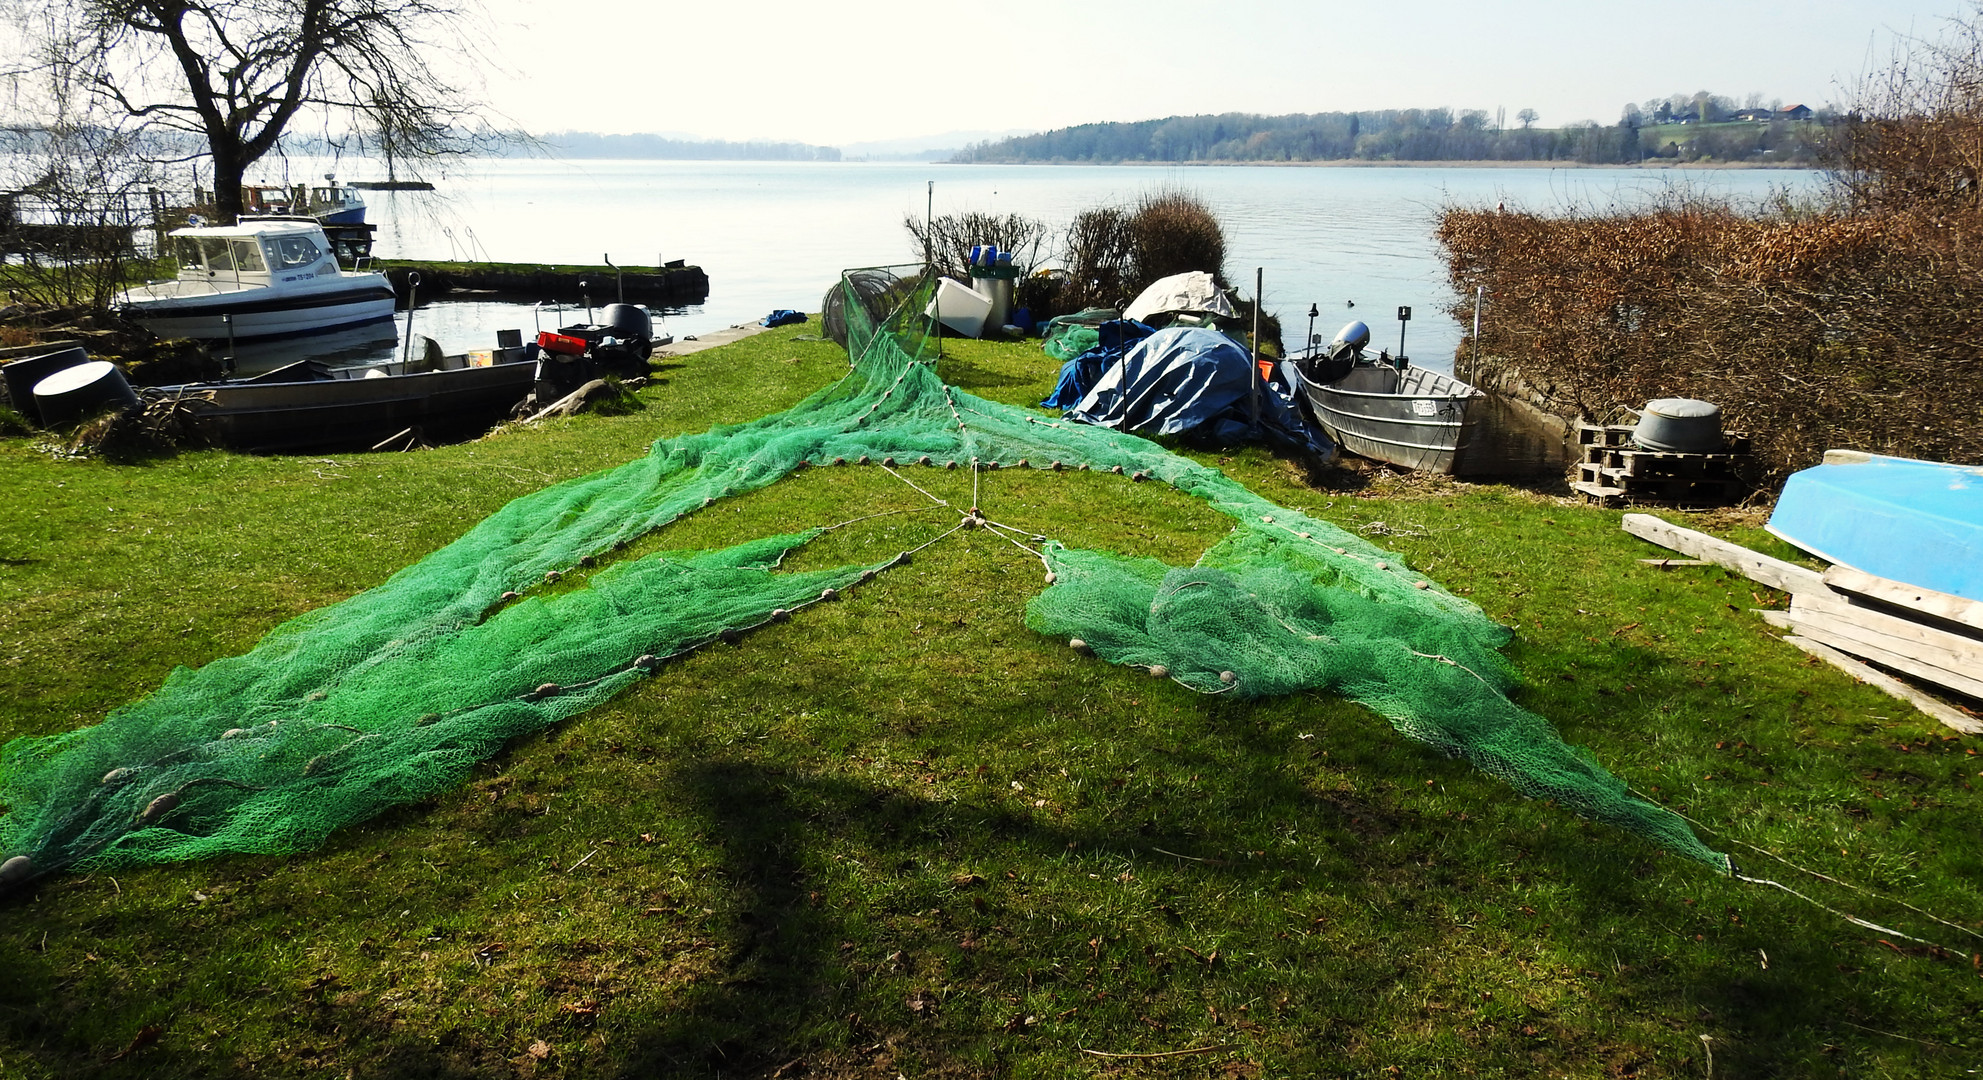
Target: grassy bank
(903, 835)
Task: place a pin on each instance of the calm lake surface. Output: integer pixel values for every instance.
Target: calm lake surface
(777, 234)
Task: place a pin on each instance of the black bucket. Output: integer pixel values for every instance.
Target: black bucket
(22, 375)
(77, 393)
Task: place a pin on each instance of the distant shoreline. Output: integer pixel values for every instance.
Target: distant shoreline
(1358, 163)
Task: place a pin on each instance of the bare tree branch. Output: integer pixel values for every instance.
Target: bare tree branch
(246, 70)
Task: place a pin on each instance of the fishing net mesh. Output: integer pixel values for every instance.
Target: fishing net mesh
(395, 694)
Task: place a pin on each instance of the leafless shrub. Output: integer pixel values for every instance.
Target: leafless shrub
(948, 239)
(1854, 324)
(1099, 246)
(72, 185)
(1173, 232)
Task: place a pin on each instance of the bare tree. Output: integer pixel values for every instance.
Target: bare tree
(237, 74)
(75, 188)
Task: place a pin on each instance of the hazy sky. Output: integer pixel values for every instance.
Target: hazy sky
(858, 70)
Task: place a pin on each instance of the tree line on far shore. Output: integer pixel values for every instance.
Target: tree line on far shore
(1402, 135)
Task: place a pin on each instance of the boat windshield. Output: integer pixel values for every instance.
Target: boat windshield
(189, 254)
(292, 252)
(217, 254)
(248, 257)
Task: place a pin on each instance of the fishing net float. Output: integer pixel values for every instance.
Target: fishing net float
(393, 695)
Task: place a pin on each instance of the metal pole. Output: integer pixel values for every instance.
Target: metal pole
(1313, 311)
(619, 277)
(1259, 276)
(1473, 369)
(412, 294)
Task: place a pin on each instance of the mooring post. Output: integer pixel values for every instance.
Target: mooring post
(412, 296)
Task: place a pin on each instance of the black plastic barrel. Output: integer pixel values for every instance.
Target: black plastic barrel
(22, 375)
(77, 393)
(1682, 425)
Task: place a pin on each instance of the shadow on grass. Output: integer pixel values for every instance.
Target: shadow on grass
(800, 979)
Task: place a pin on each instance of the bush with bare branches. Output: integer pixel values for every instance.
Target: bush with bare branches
(1857, 324)
(1174, 232)
(947, 240)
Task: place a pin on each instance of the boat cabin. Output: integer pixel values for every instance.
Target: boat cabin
(253, 253)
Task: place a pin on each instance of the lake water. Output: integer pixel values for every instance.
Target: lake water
(776, 234)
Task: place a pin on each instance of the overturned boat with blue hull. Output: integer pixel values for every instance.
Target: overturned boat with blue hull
(263, 278)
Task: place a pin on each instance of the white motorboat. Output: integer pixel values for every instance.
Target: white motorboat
(263, 278)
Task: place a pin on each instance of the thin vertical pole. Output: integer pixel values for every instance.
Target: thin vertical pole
(1473, 369)
(412, 298)
(1259, 276)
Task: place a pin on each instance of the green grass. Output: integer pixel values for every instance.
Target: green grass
(903, 835)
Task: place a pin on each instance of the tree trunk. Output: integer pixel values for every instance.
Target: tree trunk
(228, 170)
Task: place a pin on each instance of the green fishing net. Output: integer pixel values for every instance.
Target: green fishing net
(393, 695)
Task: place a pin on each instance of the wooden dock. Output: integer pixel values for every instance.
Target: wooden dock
(675, 283)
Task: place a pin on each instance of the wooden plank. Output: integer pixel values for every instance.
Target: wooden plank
(1947, 714)
(1941, 605)
(1957, 652)
(1668, 564)
(1846, 636)
(1754, 565)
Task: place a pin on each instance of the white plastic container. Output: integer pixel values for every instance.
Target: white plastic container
(959, 308)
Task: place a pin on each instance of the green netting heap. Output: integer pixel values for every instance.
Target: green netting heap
(393, 695)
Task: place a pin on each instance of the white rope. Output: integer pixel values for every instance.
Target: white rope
(913, 484)
(1818, 875)
(1000, 530)
(1449, 660)
(1853, 919)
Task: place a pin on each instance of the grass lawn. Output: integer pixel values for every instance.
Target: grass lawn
(902, 835)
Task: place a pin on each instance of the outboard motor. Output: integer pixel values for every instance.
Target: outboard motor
(576, 355)
(633, 328)
(1332, 363)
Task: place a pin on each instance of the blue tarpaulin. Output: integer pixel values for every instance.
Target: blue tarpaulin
(1080, 373)
(1196, 382)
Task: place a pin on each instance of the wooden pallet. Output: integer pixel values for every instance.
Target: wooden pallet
(1615, 471)
(1609, 491)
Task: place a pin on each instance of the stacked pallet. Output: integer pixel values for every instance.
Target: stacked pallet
(1849, 618)
(1614, 470)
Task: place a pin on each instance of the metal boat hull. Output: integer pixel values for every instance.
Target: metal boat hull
(285, 412)
(1416, 418)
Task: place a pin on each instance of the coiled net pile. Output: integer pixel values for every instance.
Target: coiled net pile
(393, 695)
